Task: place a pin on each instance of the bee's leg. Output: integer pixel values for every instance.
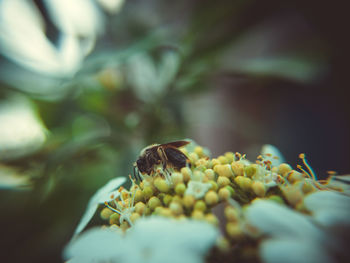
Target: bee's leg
(167, 175)
(136, 174)
(162, 156)
(164, 160)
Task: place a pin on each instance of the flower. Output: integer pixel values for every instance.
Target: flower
(153, 239)
(126, 208)
(310, 229)
(197, 189)
(104, 194)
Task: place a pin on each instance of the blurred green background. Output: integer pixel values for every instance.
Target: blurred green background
(232, 75)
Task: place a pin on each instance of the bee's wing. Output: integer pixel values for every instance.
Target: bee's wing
(176, 157)
(175, 144)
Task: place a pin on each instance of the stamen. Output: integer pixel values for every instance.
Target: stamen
(332, 172)
(305, 172)
(133, 198)
(302, 156)
(113, 209)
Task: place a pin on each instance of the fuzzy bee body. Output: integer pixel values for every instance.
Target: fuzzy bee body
(166, 154)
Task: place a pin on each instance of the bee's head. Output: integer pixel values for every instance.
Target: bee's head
(141, 164)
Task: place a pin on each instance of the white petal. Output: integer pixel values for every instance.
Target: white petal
(111, 6)
(270, 149)
(340, 182)
(277, 220)
(77, 18)
(70, 55)
(102, 195)
(329, 208)
(22, 37)
(95, 245)
(288, 250)
(172, 241)
(21, 130)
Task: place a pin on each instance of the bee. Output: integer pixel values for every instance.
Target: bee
(166, 154)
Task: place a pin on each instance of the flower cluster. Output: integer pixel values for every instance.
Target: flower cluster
(262, 209)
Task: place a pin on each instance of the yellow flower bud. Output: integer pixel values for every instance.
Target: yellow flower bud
(200, 205)
(167, 199)
(199, 151)
(223, 244)
(157, 210)
(188, 201)
(180, 189)
(284, 168)
(202, 163)
(154, 202)
(193, 157)
(161, 185)
(233, 230)
(147, 192)
(244, 182)
(176, 208)
(214, 162)
(138, 195)
(232, 191)
(211, 219)
(308, 187)
(238, 179)
(210, 174)
(259, 188)
(224, 170)
(230, 156)
(224, 194)
(177, 198)
(238, 168)
(250, 170)
(186, 173)
(197, 176)
(223, 159)
(231, 214)
(197, 214)
(114, 219)
(214, 185)
(293, 194)
(177, 178)
(294, 176)
(223, 181)
(106, 213)
(124, 225)
(140, 208)
(147, 211)
(134, 217)
(211, 198)
(166, 212)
